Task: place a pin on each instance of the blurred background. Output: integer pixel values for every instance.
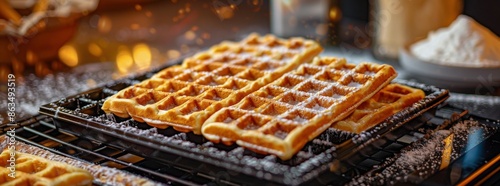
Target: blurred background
(134, 34)
(137, 34)
(63, 54)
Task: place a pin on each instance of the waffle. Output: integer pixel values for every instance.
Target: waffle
(103, 175)
(282, 117)
(185, 96)
(34, 170)
(388, 101)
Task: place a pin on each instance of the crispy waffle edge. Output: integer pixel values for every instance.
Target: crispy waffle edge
(379, 114)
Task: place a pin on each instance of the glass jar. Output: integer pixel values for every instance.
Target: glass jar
(397, 23)
(290, 18)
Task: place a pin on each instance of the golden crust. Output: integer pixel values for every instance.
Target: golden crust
(282, 117)
(34, 170)
(388, 101)
(184, 97)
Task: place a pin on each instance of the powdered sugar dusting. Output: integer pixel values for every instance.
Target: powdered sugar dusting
(300, 119)
(422, 158)
(36, 91)
(281, 134)
(318, 107)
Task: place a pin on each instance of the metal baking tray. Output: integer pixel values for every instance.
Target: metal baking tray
(313, 164)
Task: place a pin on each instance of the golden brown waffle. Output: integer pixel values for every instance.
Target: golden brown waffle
(34, 170)
(391, 99)
(103, 175)
(185, 96)
(282, 117)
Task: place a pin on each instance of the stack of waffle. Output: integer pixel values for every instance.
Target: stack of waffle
(264, 95)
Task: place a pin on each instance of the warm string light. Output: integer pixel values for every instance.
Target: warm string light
(142, 55)
(127, 56)
(68, 55)
(124, 59)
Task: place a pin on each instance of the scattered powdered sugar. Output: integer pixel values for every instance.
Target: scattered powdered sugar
(213, 83)
(228, 120)
(33, 91)
(281, 134)
(477, 104)
(300, 119)
(194, 109)
(313, 91)
(422, 158)
(354, 84)
(216, 98)
(318, 107)
(465, 43)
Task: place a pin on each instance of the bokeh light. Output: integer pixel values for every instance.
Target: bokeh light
(94, 49)
(104, 24)
(124, 59)
(142, 55)
(68, 55)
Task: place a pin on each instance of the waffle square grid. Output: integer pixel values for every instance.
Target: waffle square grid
(281, 117)
(185, 96)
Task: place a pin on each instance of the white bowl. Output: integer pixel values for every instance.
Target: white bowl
(450, 77)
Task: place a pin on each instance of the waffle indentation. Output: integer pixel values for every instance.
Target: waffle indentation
(275, 109)
(171, 103)
(229, 116)
(300, 116)
(251, 122)
(289, 81)
(270, 92)
(293, 98)
(252, 103)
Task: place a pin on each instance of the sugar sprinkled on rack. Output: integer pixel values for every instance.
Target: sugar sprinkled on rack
(485, 105)
(422, 157)
(37, 91)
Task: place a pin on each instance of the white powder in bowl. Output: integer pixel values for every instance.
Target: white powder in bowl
(465, 43)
